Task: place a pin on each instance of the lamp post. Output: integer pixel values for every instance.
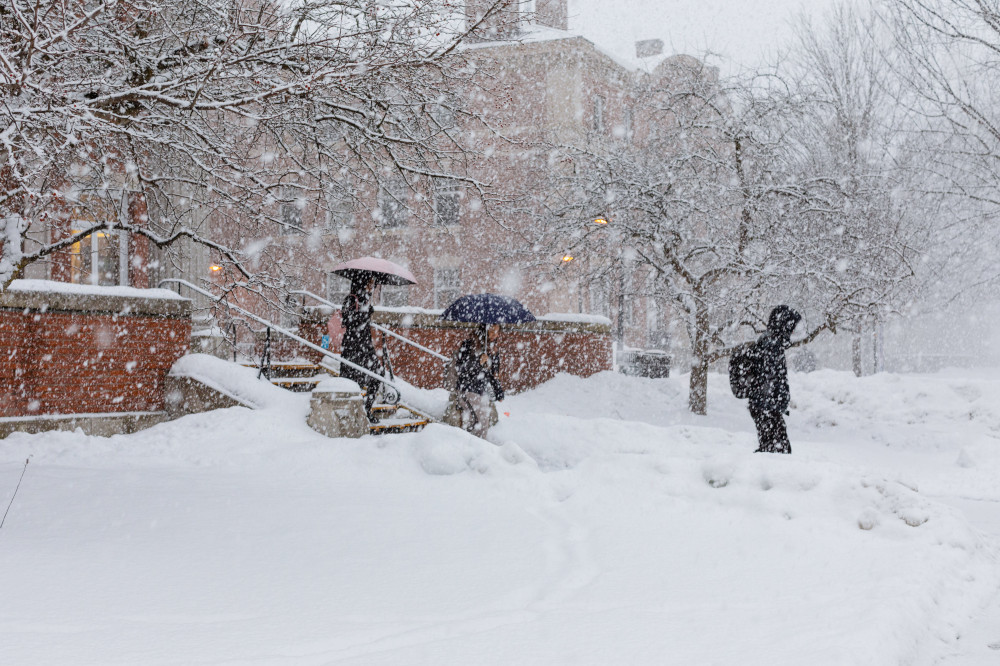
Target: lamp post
(603, 221)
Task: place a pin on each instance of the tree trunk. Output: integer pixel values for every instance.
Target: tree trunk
(856, 355)
(878, 347)
(698, 388)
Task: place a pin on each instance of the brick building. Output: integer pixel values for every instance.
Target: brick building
(548, 84)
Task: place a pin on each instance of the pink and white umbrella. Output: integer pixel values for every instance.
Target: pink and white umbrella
(383, 270)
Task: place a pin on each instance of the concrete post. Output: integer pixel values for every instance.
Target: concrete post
(337, 409)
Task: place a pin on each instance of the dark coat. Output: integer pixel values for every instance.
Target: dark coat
(472, 376)
(357, 345)
(769, 393)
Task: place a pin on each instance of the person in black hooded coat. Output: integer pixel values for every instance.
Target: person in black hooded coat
(769, 394)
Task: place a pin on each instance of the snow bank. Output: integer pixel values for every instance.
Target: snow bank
(602, 525)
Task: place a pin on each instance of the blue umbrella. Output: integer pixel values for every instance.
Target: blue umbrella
(487, 309)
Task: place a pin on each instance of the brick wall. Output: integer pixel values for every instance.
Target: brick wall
(530, 354)
(88, 351)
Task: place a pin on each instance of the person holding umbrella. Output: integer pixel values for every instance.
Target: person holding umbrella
(476, 365)
(477, 360)
(357, 346)
(356, 313)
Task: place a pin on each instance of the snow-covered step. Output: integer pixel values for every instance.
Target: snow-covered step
(299, 384)
(393, 426)
(392, 419)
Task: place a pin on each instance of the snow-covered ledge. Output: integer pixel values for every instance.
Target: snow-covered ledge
(50, 296)
(554, 322)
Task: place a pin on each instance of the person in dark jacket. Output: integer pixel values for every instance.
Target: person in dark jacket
(769, 395)
(476, 364)
(357, 346)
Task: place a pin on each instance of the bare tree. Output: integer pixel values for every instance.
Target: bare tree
(858, 140)
(946, 55)
(735, 195)
(214, 120)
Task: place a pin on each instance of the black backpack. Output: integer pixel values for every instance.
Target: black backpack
(744, 369)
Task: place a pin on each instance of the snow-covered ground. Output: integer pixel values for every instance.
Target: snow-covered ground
(603, 525)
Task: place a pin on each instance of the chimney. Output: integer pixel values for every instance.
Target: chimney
(648, 48)
(552, 13)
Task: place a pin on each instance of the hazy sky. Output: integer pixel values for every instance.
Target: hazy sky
(743, 31)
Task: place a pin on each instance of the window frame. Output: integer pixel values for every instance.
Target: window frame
(447, 280)
(393, 211)
(447, 190)
(287, 228)
(339, 208)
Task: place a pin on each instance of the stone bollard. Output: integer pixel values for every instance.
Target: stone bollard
(337, 409)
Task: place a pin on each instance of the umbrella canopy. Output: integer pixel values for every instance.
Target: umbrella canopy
(383, 270)
(487, 309)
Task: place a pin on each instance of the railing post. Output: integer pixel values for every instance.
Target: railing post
(265, 358)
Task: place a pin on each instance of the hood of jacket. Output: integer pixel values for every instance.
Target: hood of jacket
(782, 322)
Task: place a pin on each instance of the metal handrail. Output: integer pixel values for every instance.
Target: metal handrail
(383, 329)
(287, 333)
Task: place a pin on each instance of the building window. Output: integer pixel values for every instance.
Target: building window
(627, 298)
(447, 205)
(443, 116)
(600, 301)
(339, 208)
(394, 296)
(599, 114)
(658, 324)
(291, 212)
(337, 288)
(100, 258)
(290, 311)
(392, 210)
(447, 286)
(628, 125)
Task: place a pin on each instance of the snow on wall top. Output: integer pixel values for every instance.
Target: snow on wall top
(576, 318)
(53, 287)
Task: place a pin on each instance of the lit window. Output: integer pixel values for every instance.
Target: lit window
(99, 259)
